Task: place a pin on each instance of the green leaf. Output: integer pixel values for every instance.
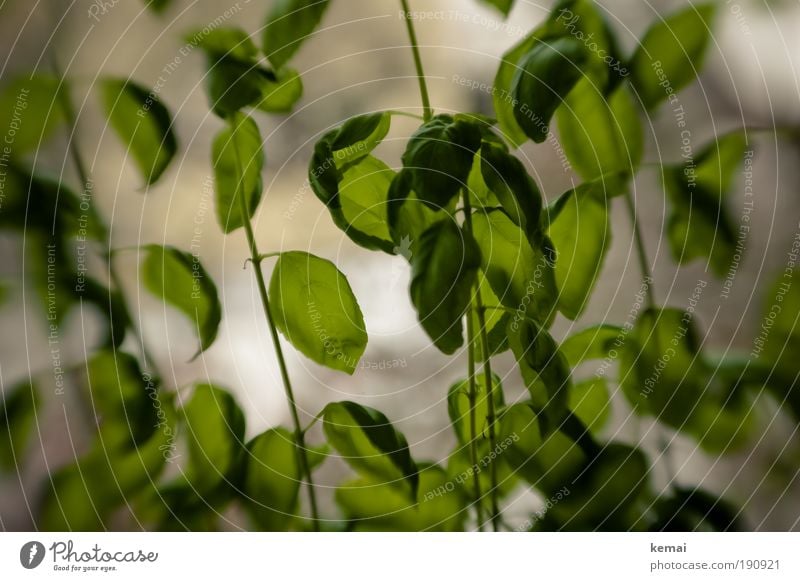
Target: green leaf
(158, 6)
(601, 134)
(363, 193)
(699, 226)
(504, 6)
(237, 157)
(495, 317)
(281, 95)
(369, 443)
(581, 233)
(595, 342)
(143, 124)
(509, 181)
(17, 420)
(372, 505)
(521, 277)
(272, 483)
(224, 41)
(315, 309)
(215, 427)
(439, 157)
(589, 400)
(459, 406)
(544, 369)
(545, 77)
(30, 111)
(671, 53)
(407, 217)
(289, 24)
(444, 271)
(179, 279)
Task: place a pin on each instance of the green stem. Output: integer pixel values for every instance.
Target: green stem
(255, 256)
(473, 423)
(423, 86)
(491, 415)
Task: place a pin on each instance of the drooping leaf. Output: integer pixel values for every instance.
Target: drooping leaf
(237, 157)
(671, 53)
(18, 410)
(509, 181)
(215, 428)
(459, 406)
(699, 226)
(521, 277)
(179, 279)
(439, 157)
(444, 271)
(545, 77)
(581, 233)
(601, 134)
(369, 443)
(289, 24)
(315, 309)
(595, 342)
(30, 110)
(143, 124)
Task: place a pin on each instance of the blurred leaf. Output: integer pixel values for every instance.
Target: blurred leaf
(545, 77)
(671, 53)
(158, 6)
(444, 270)
(225, 41)
(695, 510)
(238, 159)
(280, 95)
(459, 406)
(496, 319)
(18, 411)
(370, 444)
(178, 279)
(521, 277)
(439, 157)
(509, 181)
(699, 226)
(601, 135)
(595, 342)
(315, 309)
(589, 400)
(373, 505)
(504, 6)
(143, 124)
(30, 112)
(289, 24)
(544, 369)
(581, 233)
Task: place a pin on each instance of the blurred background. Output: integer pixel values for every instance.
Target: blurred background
(359, 61)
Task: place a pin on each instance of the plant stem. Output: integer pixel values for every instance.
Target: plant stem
(488, 378)
(255, 256)
(473, 429)
(68, 108)
(423, 86)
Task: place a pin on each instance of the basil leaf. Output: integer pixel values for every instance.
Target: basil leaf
(143, 124)
(18, 413)
(281, 95)
(459, 406)
(30, 111)
(289, 24)
(589, 400)
(595, 342)
(315, 309)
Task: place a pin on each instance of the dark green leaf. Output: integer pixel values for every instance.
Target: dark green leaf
(289, 24)
(368, 442)
(17, 420)
(157, 6)
(143, 124)
(225, 42)
(581, 233)
(699, 226)
(237, 158)
(439, 157)
(315, 309)
(30, 110)
(444, 270)
(179, 279)
(545, 77)
(695, 510)
(671, 53)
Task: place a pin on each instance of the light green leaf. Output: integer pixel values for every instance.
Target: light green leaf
(444, 271)
(30, 111)
(595, 342)
(280, 95)
(363, 194)
(459, 406)
(289, 24)
(179, 279)
(589, 400)
(315, 309)
(143, 124)
(671, 53)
